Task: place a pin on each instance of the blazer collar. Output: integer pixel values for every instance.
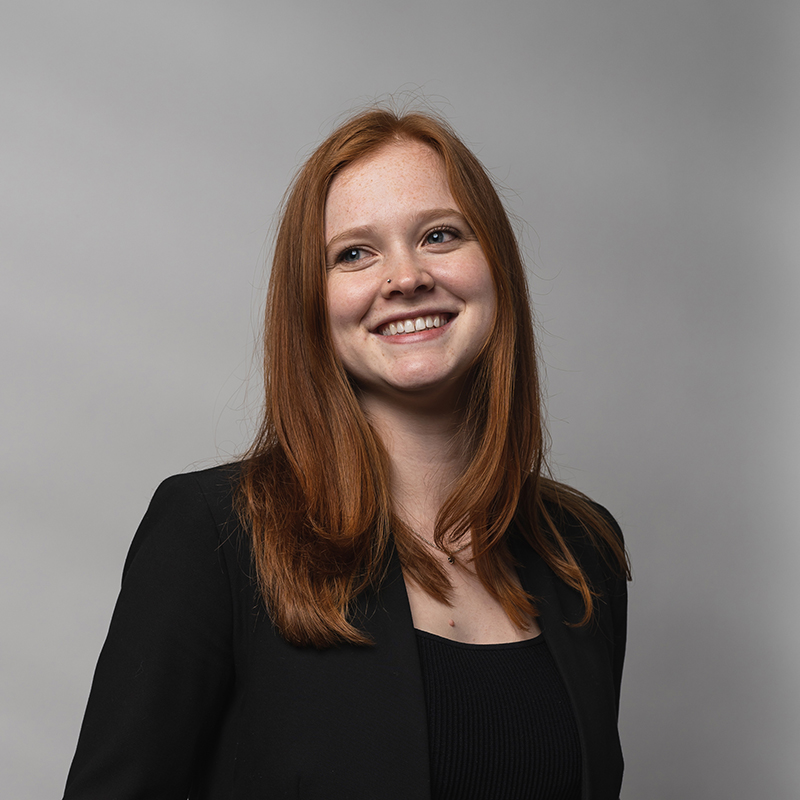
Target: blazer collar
(394, 686)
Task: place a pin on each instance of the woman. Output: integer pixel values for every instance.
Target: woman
(386, 598)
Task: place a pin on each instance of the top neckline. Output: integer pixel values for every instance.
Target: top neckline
(479, 645)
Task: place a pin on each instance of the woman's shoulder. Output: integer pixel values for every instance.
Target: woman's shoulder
(210, 491)
(579, 522)
(189, 513)
(576, 514)
(216, 484)
(587, 528)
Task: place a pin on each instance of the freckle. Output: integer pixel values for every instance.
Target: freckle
(451, 623)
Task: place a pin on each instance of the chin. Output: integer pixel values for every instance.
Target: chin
(427, 388)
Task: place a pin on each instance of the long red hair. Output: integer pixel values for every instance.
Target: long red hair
(313, 489)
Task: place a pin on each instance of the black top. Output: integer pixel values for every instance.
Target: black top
(500, 725)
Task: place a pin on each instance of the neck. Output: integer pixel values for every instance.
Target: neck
(425, 455)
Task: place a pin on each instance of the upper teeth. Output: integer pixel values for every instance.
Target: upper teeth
(416, 324)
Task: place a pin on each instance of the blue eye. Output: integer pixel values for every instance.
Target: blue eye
(440, 236)
(350, 256)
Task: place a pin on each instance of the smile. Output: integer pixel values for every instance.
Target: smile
(414, 325)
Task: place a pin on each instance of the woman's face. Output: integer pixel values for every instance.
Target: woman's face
(410, 295)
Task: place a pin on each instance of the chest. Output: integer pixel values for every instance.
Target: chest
(472, 615)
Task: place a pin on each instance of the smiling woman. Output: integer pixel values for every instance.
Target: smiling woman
(400, 254)
(386, 596)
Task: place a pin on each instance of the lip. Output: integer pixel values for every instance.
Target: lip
(414, 314)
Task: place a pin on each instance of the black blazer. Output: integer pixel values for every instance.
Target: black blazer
(196, 695)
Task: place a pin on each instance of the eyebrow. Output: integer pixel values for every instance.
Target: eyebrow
(421, 218)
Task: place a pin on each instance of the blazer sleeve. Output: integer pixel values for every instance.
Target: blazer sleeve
(164, 672)
(615, 593)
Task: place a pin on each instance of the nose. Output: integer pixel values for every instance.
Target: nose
(406, 275)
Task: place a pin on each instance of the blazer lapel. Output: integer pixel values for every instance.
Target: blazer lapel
(394, 727)
(581, 657)
(341, 723)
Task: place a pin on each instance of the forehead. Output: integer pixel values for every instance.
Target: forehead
(403, 176)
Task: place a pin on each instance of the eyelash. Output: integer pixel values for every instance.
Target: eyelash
(442, 229)
(340, 259)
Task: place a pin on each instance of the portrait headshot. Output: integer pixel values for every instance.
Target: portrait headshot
(401, 401)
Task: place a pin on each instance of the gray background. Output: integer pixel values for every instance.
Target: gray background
(650, 148)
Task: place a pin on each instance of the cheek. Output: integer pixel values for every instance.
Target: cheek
(337, 321)
(486, 302)
(481, 290)
(489, 315)
(337, 300)
(347, 304)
